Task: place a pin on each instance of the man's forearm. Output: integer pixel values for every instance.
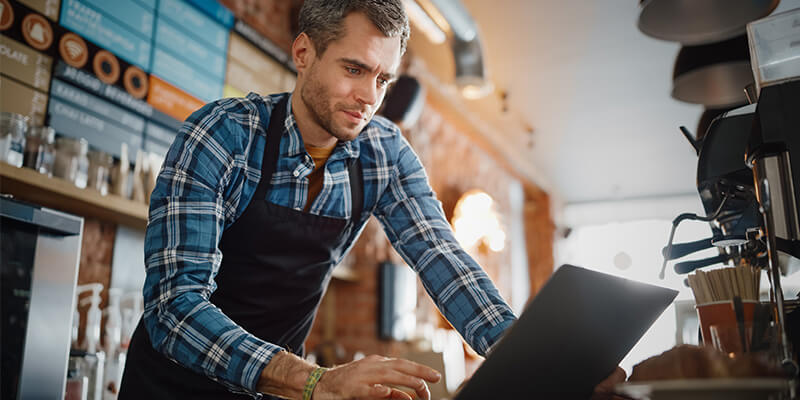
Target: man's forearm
(285, 375)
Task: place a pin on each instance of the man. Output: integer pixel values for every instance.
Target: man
(260, 197)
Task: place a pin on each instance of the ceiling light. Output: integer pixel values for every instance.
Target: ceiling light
(473, 88)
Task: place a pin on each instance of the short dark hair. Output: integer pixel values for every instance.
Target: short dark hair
(322, 20)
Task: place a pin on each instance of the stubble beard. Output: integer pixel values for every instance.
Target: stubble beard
(317, 101)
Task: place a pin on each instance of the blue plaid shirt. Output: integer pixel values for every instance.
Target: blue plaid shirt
(209, 177)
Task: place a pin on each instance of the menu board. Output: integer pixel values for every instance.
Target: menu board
(22, 99)
(86, 20)
(130, 71)
(25, 64)
(48, 8)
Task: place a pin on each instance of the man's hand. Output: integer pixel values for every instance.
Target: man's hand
(370, 377)
(605, 389)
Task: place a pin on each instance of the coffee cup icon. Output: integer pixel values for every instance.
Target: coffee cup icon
(73, 50)
(37, 31)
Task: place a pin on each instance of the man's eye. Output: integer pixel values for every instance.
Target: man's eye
(352, 71)
(382, 82)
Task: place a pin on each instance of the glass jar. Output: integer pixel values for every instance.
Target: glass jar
(71, 161)
(13, 128)
(40, 152)
(100, 164)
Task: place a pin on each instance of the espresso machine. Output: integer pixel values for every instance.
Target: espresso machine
(725, 186)
(748, 175)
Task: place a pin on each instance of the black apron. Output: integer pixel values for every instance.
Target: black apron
(276, 264)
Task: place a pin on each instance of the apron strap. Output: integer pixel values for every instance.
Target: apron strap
(356, 189)
(273, 148)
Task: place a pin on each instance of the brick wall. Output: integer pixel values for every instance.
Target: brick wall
(97, 248)
(272, 18)
(539, 236)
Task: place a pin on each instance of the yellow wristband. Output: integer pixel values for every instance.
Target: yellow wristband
(311, 383)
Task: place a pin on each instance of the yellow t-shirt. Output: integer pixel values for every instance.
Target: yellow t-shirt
(320, 155)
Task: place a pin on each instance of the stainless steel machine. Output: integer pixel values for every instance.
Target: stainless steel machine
(39, 256)
(773, 143)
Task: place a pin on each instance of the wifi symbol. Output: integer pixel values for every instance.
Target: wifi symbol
(74, 49)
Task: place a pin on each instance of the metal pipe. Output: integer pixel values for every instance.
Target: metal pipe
(768, 169)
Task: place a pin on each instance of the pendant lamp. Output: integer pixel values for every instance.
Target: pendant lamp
(713, 75)
(696, 22)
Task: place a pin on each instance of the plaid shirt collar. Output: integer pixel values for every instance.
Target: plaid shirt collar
(295, 147)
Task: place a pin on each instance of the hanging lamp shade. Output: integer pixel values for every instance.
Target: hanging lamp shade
(471, 75)
(697, 22)
(404, 102)
(713, 75)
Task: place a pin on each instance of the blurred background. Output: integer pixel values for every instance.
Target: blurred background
(549, 131)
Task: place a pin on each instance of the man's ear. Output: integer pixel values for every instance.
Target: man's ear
(303, 52)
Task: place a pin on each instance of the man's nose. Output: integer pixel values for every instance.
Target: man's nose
(367, 92)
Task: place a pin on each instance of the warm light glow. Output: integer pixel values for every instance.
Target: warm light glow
(473, 88)
(475, 221)
(497, 240)
(473, 92)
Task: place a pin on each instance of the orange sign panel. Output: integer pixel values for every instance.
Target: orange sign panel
(171, 100)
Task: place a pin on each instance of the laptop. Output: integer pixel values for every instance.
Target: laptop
(569, 338)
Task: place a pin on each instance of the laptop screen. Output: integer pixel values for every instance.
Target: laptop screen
(569, 338)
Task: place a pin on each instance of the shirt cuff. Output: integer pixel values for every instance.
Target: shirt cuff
(493, 336)
(261, 354)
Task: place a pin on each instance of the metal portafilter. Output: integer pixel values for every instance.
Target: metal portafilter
(688, 266)
(682, 249)
(735, 226)
(735, 234)
(681, 218)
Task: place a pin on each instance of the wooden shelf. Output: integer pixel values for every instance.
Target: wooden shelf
(29, 185)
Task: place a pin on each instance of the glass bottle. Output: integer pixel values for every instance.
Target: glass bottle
(13, 128)
(72, 162)
(100, 164)
(40, 149)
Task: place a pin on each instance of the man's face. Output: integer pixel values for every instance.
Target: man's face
(343, 87)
